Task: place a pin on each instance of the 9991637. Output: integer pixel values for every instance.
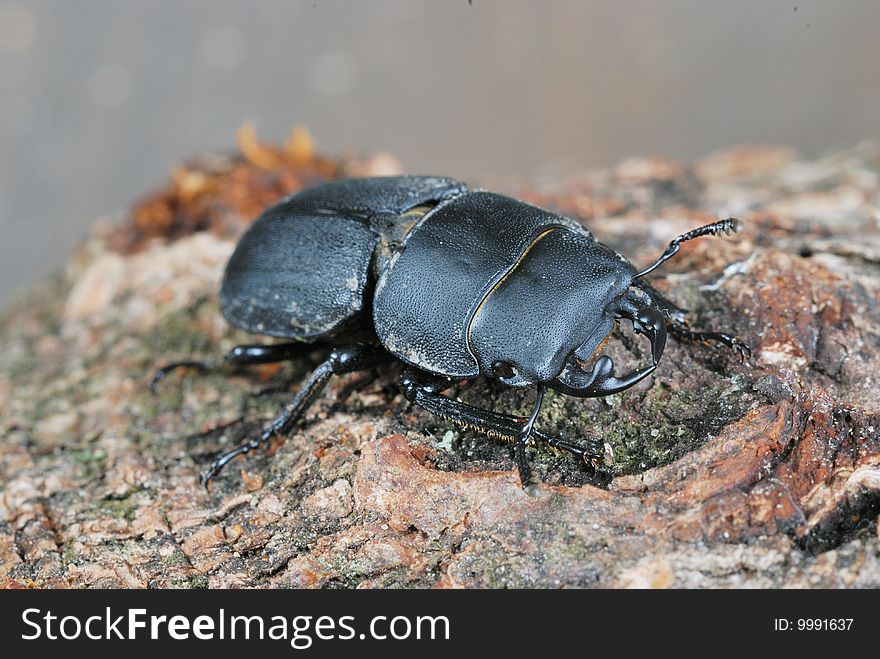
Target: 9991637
(812, 624)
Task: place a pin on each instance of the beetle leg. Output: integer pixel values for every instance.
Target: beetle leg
(646, 319)
(258, 353)
(677, 324)
(522, 438)
(358, 357)
(264, 353)
(669, 308)
(161, 373)
(682, 333)
(425, 389)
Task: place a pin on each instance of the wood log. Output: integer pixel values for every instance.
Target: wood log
(719, 473)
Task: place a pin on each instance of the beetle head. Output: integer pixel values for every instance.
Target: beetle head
(527, 339)
(647, 317)
(553, 300)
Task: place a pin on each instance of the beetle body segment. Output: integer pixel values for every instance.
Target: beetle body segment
(427, 297)
(280, 281)
(486, 279)
(303, 268)
(558, 295)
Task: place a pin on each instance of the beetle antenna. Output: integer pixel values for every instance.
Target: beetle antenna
(727, 226)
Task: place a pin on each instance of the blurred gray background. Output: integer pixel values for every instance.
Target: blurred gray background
(100, 98)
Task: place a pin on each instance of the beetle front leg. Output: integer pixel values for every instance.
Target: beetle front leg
(424, 389)
(530, 487)
(682, 333)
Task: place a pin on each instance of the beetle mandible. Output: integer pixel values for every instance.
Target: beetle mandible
(455, 283)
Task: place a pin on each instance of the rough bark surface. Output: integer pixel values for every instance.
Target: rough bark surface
(761, 474)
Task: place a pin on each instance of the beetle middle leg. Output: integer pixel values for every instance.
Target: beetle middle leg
(424, 389)
(243, 355)
(357, 357)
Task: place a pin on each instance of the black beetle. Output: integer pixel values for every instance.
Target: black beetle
(457, 284)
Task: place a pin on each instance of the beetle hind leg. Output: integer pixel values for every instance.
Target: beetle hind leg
(358, 357)
(243, 355)
(162, 372)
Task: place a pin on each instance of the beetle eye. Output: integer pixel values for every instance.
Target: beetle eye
(503, 370)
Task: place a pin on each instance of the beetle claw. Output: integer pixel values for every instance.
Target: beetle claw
(533, 490)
